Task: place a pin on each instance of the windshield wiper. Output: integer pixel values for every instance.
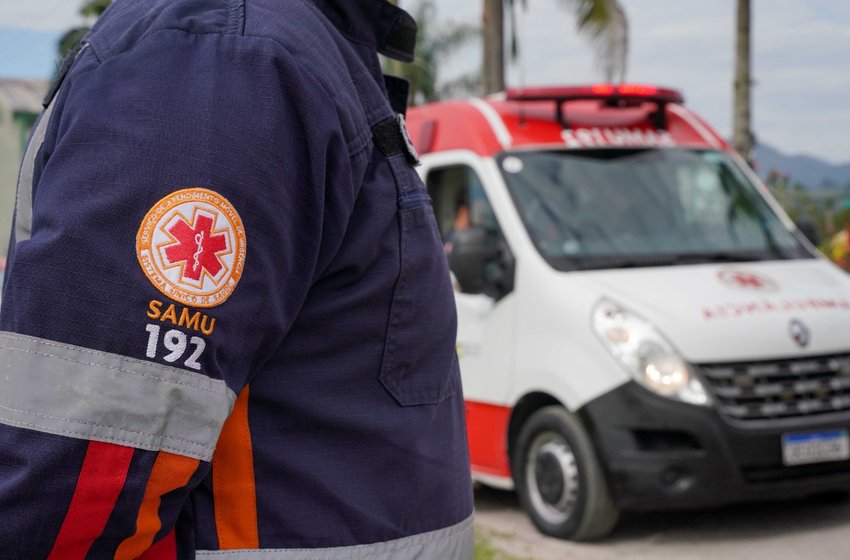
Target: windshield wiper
(596, 262)
(720, 257)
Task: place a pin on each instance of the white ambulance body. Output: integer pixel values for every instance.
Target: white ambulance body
(640, 325)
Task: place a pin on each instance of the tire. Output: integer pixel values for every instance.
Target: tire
(559, 480)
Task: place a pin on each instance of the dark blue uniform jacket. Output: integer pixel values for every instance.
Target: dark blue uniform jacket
(227, 322)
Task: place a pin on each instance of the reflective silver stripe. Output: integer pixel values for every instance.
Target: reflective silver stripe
(452, 543)
(23, 204)
(82, 393)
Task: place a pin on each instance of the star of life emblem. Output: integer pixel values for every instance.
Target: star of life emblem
(746, 280)
(191, 246)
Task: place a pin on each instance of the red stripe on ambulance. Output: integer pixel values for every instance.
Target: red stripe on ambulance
(488, 438)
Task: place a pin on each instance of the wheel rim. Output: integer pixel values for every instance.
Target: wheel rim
(552, 477)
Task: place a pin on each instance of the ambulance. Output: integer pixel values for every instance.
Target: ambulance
(641, 326)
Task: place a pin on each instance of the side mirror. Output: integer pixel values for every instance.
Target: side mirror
(482, 262)
(472, 249)
(808, 228)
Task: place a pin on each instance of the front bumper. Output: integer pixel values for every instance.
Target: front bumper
(659, 453)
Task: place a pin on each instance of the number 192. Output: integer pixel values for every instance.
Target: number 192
(176, 343)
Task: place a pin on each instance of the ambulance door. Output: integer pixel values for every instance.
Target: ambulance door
(486, 323)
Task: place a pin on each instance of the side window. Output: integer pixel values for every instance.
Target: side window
(446, 189)
(459, 200)
(461, 205)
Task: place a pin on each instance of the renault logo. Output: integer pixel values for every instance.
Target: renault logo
(799, 333)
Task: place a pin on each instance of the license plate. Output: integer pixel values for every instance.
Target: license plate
(815, 447)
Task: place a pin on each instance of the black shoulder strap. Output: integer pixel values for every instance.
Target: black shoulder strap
(67, 62)
(391, 138)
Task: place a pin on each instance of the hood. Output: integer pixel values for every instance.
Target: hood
(739, 312)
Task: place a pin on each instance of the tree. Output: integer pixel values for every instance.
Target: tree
(742, 135)
(92, 9)
(434, 42)
(603, 20)
(493, 43)
(821, 209)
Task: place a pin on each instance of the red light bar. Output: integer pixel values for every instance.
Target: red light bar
(603, 89)
(637, 89)
(595, 91)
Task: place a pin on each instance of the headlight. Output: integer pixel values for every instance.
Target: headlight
(646, 355)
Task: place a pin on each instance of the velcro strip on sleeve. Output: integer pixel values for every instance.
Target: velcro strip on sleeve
(82, 393)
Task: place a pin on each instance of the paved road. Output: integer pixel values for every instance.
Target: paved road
(786, 530)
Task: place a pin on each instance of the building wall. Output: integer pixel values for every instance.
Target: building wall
(10, 156)
(20, 105)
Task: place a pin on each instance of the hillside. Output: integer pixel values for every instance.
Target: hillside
(812, 172)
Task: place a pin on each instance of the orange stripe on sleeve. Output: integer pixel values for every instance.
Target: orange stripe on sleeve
(234, 492)
(170, 472)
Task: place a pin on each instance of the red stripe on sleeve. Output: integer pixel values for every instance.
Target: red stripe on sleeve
(165, 549)
(100, 482)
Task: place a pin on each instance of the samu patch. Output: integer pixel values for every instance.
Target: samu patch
(191, 246)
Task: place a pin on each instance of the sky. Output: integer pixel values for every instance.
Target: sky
(801, 57)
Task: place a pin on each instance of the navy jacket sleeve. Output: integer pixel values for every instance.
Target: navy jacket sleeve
(178, 200)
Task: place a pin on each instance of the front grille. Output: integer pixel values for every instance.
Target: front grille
(781, 388)
(776, 474)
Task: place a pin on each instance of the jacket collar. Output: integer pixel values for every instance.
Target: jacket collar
(377, 23)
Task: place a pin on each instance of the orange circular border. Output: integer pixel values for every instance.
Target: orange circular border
(144, 249)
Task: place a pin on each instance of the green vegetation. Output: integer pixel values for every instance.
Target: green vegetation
(92, 9)
(435, 42)
(604, 21)
(486, 550)
(826, 209)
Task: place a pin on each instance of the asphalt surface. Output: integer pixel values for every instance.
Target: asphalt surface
(810, 529)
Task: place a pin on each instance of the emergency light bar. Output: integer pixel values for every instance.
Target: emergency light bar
(610, 93)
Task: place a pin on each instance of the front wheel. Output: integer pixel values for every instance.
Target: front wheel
(559, 479)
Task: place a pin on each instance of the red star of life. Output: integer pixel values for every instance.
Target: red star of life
(746, 280)
(197, 247)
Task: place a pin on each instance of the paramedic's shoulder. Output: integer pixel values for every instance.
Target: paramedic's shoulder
(325, 56)
(291, 36)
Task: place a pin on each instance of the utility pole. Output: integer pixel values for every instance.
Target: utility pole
(493, 25)
(742, 135)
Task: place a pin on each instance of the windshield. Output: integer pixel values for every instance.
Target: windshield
(649, 207)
